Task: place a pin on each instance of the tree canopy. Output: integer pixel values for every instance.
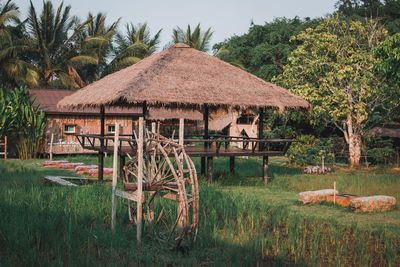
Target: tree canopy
(332, 68)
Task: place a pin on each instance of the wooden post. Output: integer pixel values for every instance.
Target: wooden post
(205, 118)
(121, 165)
(51, 146)
(115, 176)
(101, 152)
(323, 162)
(265, 169)
(232, 165)
(140, 180)
(334, 192)
(260, 146)
(210, 169)
(153, 127)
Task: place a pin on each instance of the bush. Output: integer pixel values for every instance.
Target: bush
(309, 150)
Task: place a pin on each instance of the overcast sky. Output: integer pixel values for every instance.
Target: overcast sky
(226, 18)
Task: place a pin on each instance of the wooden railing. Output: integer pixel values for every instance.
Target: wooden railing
(216, 143)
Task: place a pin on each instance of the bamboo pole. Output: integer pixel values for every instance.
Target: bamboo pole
(181, 134)
(51, 146)
(140, 180)
(115, 176)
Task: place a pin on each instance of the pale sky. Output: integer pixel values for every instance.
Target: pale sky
(226, 18)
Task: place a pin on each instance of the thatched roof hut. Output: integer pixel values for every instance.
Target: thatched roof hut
(183, 77)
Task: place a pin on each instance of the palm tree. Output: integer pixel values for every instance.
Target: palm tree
(134, 46)
(196, 39)
(56, 49)
(97, 41)
(13, 69)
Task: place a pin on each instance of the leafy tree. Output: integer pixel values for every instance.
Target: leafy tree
(135, 45)
(13, 68)
(387, 12)
(55, 45)
(263, 51)
(96, 40)
(388, 66)
(332, 69)
(197, 38)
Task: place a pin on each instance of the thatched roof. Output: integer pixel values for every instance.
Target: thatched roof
(181, 76)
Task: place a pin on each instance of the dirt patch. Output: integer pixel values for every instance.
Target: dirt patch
(394, 170)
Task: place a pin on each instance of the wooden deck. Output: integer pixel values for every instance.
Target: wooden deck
(219, 146)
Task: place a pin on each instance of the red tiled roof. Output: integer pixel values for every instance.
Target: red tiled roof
(48, 99)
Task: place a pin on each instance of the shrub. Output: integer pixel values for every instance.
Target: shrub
(309, 150)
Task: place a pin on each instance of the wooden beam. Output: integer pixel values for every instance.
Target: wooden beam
(232, 165)
(101, 152)
(140, 180)
(205, 118)
(58, 180)
(210, 169)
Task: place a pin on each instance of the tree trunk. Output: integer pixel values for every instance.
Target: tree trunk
(354, 142)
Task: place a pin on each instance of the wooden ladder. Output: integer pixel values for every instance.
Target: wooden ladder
(3, 147)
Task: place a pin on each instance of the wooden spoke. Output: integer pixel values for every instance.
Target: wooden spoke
(170, 173)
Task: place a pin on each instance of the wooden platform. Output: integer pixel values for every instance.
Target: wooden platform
(214, 147)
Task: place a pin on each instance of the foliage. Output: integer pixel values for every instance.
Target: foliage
(14, 69)
(388, 67)
(380, 150)
(332, 69)
(24, 122)
(55, 46)
(308, 150)
(135, 45)
(386, 12)
(197, 38)
(97, 41)
(263, 51)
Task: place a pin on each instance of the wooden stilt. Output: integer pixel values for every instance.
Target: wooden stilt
(210, 169)
(101, 153)
(153, 127)
(115, 177)
(205, 118)
(203, 165)
(265, 169)
(232, 165)
(261, 136)
(121, 165)
(140, 180)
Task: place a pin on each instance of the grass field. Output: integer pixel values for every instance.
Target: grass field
(242, 222)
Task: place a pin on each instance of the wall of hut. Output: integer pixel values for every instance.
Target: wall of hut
(64, 127)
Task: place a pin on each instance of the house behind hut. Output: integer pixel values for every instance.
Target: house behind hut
(64, 124)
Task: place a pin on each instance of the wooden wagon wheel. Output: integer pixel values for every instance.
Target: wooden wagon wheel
(168, 172)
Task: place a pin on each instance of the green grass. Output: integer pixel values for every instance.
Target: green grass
(242, 222)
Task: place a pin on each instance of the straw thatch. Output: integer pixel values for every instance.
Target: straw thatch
(183, 77)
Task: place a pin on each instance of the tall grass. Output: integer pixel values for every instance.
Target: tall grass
(239, 225)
